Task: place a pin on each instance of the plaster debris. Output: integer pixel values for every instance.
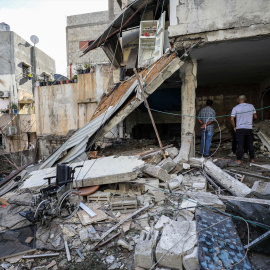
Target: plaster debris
(171, 152)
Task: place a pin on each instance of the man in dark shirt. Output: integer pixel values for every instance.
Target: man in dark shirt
(206, 118)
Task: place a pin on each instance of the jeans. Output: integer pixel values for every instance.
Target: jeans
(242, 135)
(206, 142)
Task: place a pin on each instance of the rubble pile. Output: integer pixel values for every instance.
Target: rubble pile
(154, 214)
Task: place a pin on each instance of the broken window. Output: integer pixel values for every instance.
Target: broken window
(25, 70)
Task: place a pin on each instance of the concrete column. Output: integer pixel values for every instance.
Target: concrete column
(188, 74)
(111, 9)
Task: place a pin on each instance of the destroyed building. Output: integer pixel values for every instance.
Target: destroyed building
(150, 201)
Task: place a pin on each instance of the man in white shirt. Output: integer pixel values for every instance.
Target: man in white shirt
(244, 114)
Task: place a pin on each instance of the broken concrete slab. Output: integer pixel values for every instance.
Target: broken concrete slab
(195, 182)
(176, 183)
(10, 216)
(167, 164)
(172, 152)
(227, 181)
(21, 199)
(191, 261)
(261, 190)
(94, 172)
(156, 172)
(161, 222)
(176, 240)
(143, 256)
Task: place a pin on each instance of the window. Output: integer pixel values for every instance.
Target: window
(83, 45)
(25, 70)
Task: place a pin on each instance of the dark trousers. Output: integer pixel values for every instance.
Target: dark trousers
(241, 136)
(234, 143)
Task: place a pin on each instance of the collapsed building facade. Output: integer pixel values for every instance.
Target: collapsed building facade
(162, 207)
(214, 55)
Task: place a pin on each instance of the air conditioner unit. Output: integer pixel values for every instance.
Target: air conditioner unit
(11, 131)
(4, 94)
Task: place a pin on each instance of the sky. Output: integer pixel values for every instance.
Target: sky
(47, 20)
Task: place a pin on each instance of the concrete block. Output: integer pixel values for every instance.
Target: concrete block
(176, 183)
(161, 222)
(171, 152)
(189, 205)
(152, 184)
(84, 235)
(179, 238)
(238, 188)
(186, 166)
(194, 182)
(191, 261)
(143, 256)
(124, 204)
(156, 172)
(261, 189)
(167, 164)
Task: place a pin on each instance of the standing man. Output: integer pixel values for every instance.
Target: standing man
(206, 118)
(244, 114)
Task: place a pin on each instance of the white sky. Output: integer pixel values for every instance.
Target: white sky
(47, 20)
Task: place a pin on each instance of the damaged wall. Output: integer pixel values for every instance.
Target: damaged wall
(62, 109)
(86, 27)
(206, 15)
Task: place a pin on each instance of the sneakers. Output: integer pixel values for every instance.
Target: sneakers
(232, 154)
(245, 156)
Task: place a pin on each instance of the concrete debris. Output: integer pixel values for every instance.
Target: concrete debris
(105, 170)
(161, 222)
(261, 190)
(227, 181)
(167, 164)
(171, 152)
(21, 199)
(186, 166)
(124, 205)
(153, 159)
(177, 239)
(194, 182)
(176, 183)
(144, 256)
(99, 197)
(124, 244)
(156, 172)
(191, 261)
(86, 219)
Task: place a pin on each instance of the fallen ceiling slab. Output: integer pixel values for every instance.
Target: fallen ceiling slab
(113, 108)
(100, 171)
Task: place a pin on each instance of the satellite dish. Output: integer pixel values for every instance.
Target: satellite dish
(34, 39)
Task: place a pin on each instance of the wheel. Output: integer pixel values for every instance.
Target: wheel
(68, 204)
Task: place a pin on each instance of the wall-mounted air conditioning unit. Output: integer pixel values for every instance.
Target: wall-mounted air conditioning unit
(4, 94)
(11, 131)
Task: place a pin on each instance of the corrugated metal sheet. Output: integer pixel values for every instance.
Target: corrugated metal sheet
(108, 106)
